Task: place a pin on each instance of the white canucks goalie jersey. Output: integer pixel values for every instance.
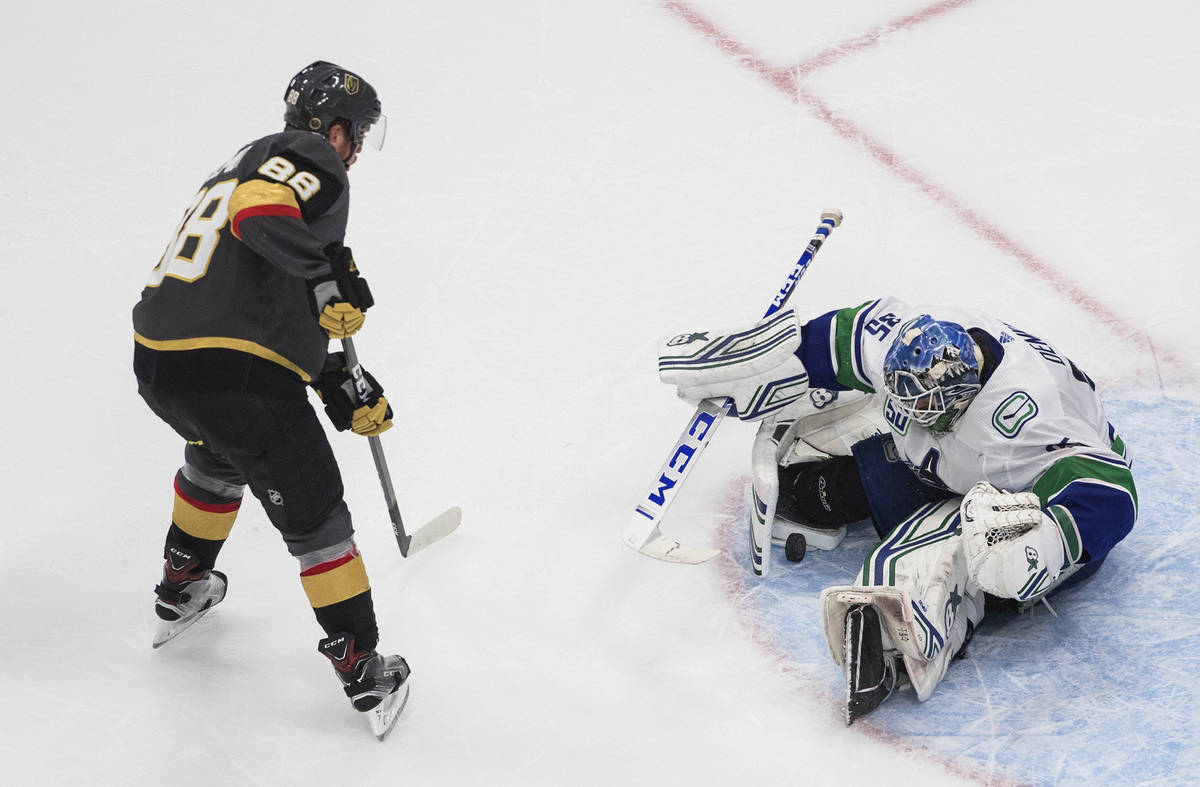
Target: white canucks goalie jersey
(1036, 425)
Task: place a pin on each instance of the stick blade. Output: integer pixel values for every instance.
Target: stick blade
(436, 529)
(670, 550)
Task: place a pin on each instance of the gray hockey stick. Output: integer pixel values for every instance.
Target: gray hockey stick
(643, 532)
(435, 529)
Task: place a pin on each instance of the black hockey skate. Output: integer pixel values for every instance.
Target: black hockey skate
(870, 672)
(188, 591)
(376, 685)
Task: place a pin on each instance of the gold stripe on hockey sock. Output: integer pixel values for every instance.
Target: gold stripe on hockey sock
(202, 520)
(335, 581)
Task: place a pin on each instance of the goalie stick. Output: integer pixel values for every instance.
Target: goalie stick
(435, 529)
(643, 532)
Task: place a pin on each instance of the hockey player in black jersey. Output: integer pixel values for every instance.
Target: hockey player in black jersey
(232, 329)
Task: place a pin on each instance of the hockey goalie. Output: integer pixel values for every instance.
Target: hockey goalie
(981, 454)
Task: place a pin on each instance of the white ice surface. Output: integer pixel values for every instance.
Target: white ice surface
(563, 183)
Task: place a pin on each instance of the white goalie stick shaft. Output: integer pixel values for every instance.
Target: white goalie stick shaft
(437, 528)
(643, 532)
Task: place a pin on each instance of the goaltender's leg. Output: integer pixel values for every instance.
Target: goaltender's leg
(872, 484)
(825, 494)
(916, 581)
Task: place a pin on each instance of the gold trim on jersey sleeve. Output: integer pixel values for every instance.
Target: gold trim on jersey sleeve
(261, 197)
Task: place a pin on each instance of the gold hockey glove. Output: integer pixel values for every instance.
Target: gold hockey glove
(341, 319)
(340, 298)
(365, 412)
(373, 420)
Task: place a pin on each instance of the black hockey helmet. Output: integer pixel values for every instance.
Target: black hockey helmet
(324, 93)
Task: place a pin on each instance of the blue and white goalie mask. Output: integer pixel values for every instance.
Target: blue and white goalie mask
(932, 372)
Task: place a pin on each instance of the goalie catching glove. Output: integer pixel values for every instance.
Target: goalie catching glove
(1014, 549)
(366, 412)
(341, 297)
(757, 367)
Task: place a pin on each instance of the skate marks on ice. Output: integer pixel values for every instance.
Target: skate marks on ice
(1103, 693)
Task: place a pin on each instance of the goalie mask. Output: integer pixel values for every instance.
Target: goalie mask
(932, 372)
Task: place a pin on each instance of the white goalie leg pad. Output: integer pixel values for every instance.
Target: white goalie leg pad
(764, 491)
(757, 366)
(924, 597)
(1014, 549)
(892, 604)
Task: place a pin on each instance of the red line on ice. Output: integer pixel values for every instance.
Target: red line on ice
(806, 677)
(871, 37)
(787, 81)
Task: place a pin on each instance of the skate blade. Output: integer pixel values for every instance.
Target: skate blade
(383, 716)
(170, 629)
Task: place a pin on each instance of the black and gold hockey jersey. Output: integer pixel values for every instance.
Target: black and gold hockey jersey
(227, 306)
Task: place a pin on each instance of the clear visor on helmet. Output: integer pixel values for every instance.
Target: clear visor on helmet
(374, 134)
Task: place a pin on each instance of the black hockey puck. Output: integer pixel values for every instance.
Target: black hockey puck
(795, 547)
